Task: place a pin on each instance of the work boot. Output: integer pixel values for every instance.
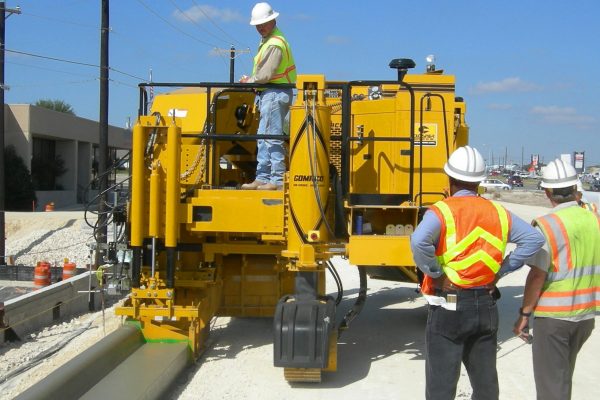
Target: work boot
(253, 186)
(269, 186)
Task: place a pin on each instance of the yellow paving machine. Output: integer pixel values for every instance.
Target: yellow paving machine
(365, 159)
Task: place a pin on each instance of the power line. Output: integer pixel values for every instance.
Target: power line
(215, 24)
(122, 83)
(25, 85)
(127, 74)
(90, 78)
(51, 58)
(61, 21)
(194, 22)
(74, 62)
(173, 26)
(48, 69)
(113, 81)
(146, 53)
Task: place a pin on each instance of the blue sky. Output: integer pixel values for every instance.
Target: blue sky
(526, 69)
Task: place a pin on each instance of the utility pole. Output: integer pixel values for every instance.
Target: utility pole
(3, 16)
(103, 139)
(232, 56)
(231, 64)
(522, 156)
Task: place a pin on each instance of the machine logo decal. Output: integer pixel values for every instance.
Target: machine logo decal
(426, 134)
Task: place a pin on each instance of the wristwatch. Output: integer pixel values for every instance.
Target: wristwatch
(524, 314)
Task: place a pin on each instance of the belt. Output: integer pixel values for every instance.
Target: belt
(263, 90)
(463, 293)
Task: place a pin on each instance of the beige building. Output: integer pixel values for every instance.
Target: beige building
(37, 132)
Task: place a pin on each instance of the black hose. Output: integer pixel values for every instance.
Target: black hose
(341, 230)
(358, 304)
(338, 281)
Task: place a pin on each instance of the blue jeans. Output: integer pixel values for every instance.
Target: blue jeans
(467, 335)
(274, 105)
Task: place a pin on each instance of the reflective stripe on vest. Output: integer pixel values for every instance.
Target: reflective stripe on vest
(572, 287)
(471, 258)
(589, 206)
(286, 71)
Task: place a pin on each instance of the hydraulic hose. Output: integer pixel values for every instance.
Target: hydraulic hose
(313, 161)
(337, 280)
(358, 304)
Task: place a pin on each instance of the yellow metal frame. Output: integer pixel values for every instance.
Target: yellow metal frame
(238, 251)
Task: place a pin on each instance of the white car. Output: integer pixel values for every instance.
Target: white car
(494, 184)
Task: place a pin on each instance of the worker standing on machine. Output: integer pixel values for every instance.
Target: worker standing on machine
(460, 246)
(562, 289)
(579, 199)
(273, 63)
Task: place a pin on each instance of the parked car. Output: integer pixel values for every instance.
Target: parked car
(515, 181)
(494, 184)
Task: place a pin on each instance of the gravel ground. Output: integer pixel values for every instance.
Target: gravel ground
(48, 236)
(26, 362)
(380, 356)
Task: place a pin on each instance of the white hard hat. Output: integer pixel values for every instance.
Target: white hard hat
(466, 164)
(558, 174)
(261, 13)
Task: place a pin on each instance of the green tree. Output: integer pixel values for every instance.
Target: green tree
(56, 105)
(19, 193)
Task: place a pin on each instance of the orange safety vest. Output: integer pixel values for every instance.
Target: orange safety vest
(472, 242)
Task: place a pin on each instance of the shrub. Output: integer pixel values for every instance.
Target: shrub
(19, 193)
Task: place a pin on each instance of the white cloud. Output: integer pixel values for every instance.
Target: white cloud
(205, 12)
(562, 115)
(513, 84)
(333, 39)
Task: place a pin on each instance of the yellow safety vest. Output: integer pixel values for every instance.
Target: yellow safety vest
(589, 206)
(286, 72)
(572, 287)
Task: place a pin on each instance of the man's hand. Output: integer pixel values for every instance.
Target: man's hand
(521, 329)
(244, 79)
(444, 284)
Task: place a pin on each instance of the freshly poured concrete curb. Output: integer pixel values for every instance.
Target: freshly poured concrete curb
(146, 374)
(119, 366)
(75, 378)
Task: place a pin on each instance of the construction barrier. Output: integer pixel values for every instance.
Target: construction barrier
(41, 275)
(69, 269)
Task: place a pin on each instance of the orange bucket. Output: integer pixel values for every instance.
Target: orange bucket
(68, 270)
(41, 275)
